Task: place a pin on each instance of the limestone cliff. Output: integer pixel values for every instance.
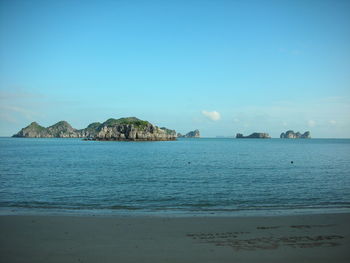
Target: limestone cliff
(62, 129)
(90, 131)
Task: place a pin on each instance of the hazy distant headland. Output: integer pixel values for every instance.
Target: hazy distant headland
(295, 135)
(191, 134)
(123, 129)
(284, 135)
(255, 135)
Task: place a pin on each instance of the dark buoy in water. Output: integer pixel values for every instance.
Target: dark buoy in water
(291, 162)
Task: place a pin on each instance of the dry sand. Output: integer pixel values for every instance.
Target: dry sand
(302, 238)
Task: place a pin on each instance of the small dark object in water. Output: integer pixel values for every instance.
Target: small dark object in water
(189, 162)
(291, 162)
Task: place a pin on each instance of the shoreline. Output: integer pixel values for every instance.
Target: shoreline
(22, 211)
(293, 238)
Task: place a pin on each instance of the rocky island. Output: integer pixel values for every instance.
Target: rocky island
(255, 135)
(191, 134)
(123, 129)
(292, 135)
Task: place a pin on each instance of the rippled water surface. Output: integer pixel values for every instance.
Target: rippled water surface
(188, 175)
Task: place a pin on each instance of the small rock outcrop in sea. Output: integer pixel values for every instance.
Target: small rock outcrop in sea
(191, 134)
(295, 135)
(255, 135)
(123, 129)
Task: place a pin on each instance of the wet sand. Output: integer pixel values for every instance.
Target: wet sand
(302, 238)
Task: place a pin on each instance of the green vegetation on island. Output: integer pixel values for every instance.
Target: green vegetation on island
(127, 121)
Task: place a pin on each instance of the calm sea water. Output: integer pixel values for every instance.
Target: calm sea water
(184, 176)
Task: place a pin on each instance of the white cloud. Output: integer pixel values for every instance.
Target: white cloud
(212, 115)
(311, 123)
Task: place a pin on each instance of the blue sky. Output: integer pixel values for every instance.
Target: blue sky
(222, 67)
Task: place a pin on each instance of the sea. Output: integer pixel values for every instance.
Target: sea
(205, 176)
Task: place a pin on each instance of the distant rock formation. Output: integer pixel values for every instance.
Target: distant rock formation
(255, 135)
(191, 134)
(291, 135)
(61, 129)
(123, 129)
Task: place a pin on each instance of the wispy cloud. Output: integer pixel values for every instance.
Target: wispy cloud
(28, 114)
(19, 94)
(19, 105)
(4, 116)
(311, 123)
(211, 115)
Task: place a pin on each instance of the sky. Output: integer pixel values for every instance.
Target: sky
(223, 67)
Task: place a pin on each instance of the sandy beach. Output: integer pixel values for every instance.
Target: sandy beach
(301, 238)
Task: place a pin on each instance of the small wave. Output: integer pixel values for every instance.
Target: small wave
(123, 207)
(162, 205)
